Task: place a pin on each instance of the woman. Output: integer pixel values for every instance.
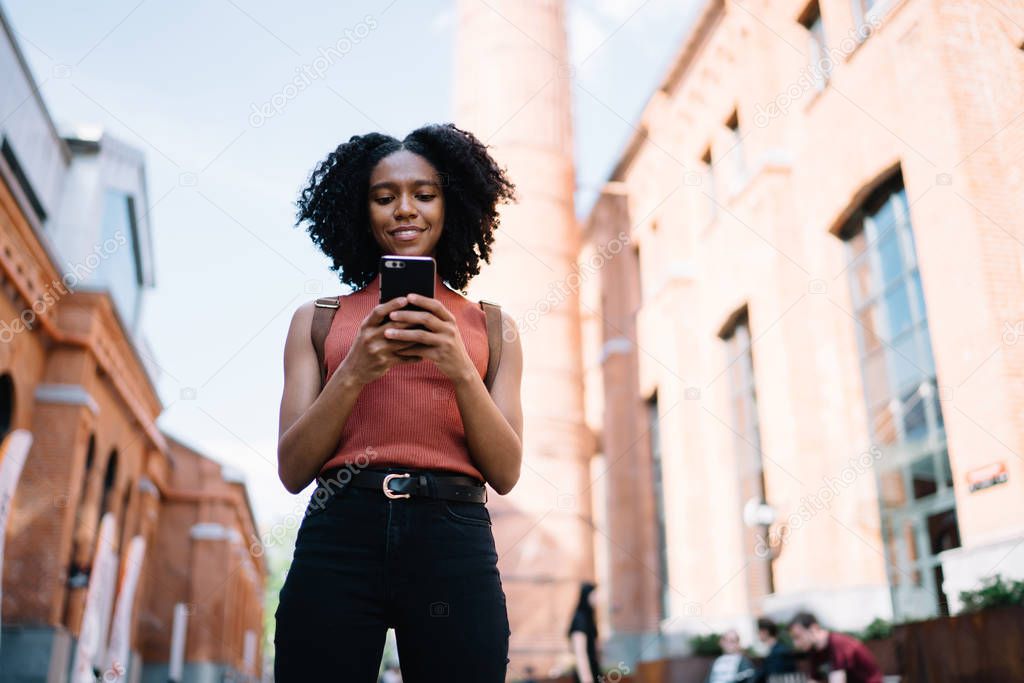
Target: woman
(404, 433)
(732, 665)
(583, 636)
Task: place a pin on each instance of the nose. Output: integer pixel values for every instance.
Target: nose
(404, 206)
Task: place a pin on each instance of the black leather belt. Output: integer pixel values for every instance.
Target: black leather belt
(398, 483)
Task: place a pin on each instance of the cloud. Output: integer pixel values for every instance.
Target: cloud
(593, 22)
(443, 20)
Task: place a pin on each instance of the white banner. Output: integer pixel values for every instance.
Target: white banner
(97, 602)
(121, 630)
(13, 452)
(176, 663)
(249, 652)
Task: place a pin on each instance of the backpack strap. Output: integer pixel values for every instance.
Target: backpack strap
(323, 315)
(494, 337)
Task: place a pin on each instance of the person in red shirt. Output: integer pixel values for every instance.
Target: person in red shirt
(831, 652)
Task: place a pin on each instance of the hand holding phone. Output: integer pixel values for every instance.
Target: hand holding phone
(402, 275)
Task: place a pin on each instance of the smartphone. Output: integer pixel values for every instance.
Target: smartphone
(402, 275)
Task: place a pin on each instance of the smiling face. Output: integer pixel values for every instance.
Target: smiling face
(730, 642)
(405, 195)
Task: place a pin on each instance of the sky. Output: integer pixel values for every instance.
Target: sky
(181, 81)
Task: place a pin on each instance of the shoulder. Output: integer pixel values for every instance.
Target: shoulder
(844, 643)
(302, 317)
(509, 330)
(304, 313)
(306, 309)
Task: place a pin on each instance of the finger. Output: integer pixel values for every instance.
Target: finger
(432, 305)
(418, 336)
(427, 319)
(412, 351)
(380, 312)
(396, 346)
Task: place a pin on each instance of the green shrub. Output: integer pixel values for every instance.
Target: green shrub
(877, 630)
(706, 645)
(994, 592)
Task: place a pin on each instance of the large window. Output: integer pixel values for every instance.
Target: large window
(13, 163)
(659, 500)
(915, 483)
(6, 404)
(711, 192)
(638, 275)
(866, 13)
(120, 269)
(819, 62)
(750, 467)
(739, 160)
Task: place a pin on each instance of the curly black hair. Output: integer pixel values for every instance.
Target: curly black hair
(336, 202)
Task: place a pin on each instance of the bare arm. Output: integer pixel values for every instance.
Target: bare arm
(579, 649)
(494, 421)
(311, 421)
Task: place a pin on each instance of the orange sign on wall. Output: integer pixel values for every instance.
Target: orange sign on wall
(987, 476)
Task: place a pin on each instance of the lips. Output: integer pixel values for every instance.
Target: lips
(406, 232)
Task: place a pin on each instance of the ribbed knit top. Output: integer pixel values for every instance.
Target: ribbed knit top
(408, 416)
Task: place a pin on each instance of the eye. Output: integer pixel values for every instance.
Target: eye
(426, 197)
(382, 200)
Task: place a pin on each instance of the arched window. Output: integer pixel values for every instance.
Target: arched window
(6, 404)
(902, 399)
(78, 577)
(126, 528)
(109, 478)
(749, 457)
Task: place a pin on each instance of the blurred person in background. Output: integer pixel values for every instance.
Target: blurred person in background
(732, 665)
(779, 656)
(391, 674)
(583, 636)
(831, 653)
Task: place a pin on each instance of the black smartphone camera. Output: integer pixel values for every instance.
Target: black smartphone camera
(402, 275)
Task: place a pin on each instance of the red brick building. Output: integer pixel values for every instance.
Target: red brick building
(75, 259)
(801, 329)
(205, 561)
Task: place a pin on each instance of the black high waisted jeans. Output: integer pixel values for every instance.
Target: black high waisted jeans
(423, 566)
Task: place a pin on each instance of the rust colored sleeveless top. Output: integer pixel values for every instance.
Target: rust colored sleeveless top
(407, 417)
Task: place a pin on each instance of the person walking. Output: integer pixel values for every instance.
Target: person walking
(408, 416)
(583, 636)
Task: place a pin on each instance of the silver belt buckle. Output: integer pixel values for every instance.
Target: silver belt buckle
(391, 494)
